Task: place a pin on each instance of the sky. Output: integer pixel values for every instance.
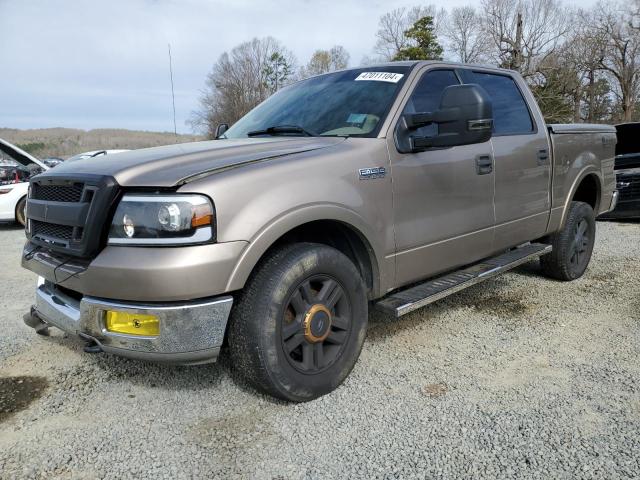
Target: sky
(104, 63)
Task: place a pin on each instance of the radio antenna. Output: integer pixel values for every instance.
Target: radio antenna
(173, 97)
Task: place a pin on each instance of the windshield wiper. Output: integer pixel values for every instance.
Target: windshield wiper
(282, 130)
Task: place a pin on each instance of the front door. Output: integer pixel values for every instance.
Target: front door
(443, 201)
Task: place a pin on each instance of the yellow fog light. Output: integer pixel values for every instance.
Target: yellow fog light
(133, 323)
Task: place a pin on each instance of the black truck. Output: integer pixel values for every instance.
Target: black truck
(627, 169)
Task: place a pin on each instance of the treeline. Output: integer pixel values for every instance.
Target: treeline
(65, 142)
(583, 65)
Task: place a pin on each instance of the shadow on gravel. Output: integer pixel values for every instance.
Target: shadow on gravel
(530, 269)
(8, 226)
(174, 377)
(158, 375)
(111, 368)
(493, 298)
(17, 393)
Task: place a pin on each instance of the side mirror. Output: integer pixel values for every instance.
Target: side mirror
(465, 117)
(220, 129)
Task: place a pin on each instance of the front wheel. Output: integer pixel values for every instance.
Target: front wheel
(573, 245)
(21, 211)
(299, 325)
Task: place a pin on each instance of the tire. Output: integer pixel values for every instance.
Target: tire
(21, 206)
(298, 326)
(572, 246)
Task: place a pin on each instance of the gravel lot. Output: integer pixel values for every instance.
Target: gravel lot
(518, 377)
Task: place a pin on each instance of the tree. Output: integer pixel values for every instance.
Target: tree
(240, 80)
(524, 32)
(620, 59)
(392, 27)
(277, 70)
(466, 36)
(324, 61)
(556, 88)
(424, 43)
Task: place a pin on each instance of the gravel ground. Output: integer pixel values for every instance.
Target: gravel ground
(518, 377)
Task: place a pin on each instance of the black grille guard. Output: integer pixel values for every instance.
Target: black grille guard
(83, 221)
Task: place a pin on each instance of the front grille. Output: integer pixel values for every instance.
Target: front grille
(51, 230)
(57, 193)
(68, 214)
(632, 191)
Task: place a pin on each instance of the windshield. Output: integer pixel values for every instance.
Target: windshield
(349, 103)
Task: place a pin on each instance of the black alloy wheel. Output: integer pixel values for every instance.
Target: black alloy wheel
(316, 324)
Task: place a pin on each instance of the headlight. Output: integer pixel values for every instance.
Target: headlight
(162, 220)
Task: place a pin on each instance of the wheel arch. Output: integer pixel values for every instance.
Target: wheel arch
(588, 189)
(328, 225)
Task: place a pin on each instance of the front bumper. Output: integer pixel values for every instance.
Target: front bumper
(190, 332)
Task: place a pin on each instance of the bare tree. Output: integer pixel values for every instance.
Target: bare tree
(618, 25)
(323, 61)
(524, 32)
(240, 80)
(583, 53)
(466, 36)
(392, 28)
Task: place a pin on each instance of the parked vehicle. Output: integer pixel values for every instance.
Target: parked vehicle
(52, 161)
(16, 168)
(627, 169)
(94, 154)
(387, 187)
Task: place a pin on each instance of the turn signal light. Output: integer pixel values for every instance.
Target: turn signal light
(132, 323)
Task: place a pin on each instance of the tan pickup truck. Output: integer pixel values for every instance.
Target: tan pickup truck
(383, 187)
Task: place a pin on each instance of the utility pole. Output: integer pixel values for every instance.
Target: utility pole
(173, 97)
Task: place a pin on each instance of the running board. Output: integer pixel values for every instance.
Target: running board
(406, 301)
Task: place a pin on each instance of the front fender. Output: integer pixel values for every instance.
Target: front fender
(286, 222)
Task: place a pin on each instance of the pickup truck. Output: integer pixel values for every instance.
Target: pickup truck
(384, 187)
(627, 170)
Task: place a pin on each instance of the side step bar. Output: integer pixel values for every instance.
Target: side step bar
(410, 299)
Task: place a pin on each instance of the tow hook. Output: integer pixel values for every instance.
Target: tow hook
(32, 320)
(91, 346)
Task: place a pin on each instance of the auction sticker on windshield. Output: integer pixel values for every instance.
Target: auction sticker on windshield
(380, 76)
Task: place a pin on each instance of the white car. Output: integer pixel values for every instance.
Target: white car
(94, 153)
(16, 168)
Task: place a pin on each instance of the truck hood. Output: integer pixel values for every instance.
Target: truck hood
(174, 165)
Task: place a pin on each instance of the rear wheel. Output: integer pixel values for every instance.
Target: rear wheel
(298, 327)
(573, 245)
(21, 211)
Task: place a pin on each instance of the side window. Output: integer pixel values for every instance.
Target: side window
(426, 96)
(510, 112)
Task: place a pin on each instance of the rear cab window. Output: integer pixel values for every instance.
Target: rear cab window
(511, 115)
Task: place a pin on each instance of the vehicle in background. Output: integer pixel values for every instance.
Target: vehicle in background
(627, 169)
(52, 161)
(94, 153)
(16, 168)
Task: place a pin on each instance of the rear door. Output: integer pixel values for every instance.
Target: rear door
(522, 159)
(442, 202)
